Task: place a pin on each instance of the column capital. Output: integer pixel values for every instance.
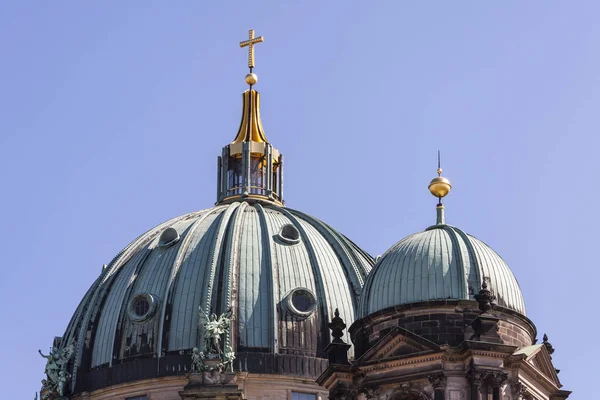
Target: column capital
(518, 390)
(497, 378)
(493, 377)
(476, 377)
(438, 381)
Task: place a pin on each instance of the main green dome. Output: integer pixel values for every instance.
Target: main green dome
(249, 257)
(443, 262)
(275, 274)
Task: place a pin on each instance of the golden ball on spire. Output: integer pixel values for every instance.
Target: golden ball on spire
(440, 186)
(251, 79)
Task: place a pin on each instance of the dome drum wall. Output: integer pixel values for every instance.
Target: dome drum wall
(281, 272)
(440, 321)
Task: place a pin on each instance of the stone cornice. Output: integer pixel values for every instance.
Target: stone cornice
(399, 362)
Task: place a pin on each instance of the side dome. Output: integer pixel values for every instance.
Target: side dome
(442, 262)
(281, 274)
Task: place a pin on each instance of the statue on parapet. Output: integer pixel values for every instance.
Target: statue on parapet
(217, 354)
(197, 360)
(57, 375)
(214, 328)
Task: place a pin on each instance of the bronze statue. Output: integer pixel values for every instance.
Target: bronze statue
(56, 370)
(214, 327)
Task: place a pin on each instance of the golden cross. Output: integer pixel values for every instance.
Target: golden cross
(250, 43)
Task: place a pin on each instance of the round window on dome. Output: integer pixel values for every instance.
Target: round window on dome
(141, 307)
(289, 234)
(301, 302)
(168, 238)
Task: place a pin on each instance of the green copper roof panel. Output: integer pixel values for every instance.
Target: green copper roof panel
(188, 288)
(441, 263)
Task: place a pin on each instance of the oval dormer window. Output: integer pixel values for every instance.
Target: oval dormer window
(289, 234)
(141, 307)
(301, 302)
(168, 238)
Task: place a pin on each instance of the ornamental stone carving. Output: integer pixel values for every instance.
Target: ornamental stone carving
(408, 391)
(371, 392)
(476, 377)
(485, 298)
(497, 378)
(548, 345)
(518, 390)
(438, 381)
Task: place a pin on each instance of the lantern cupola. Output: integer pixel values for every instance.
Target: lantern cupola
(250, 167)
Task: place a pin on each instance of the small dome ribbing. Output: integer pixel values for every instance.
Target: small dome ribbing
(442, 262)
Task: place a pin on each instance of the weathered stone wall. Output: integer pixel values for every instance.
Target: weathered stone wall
(166, 388)
(265, 387)
(513, 332)
(442, 322)
(253, 386)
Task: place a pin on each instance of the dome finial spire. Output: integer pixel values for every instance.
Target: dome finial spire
(251, 126)
(440, 187)
(251, 78)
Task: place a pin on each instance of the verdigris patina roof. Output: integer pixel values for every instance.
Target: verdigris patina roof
(442, 262)
(247, 257)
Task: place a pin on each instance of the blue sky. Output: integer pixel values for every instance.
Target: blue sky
(112, 115)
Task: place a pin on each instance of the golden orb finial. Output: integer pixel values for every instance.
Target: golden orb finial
(439, 186)
(251, 79)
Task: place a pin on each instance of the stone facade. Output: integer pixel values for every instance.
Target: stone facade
(213, 385)
(428, 351)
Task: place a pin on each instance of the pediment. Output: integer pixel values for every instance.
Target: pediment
(399, 343)
(538, 357)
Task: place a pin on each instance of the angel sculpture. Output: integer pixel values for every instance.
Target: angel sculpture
(56, 365)
(214, 327)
